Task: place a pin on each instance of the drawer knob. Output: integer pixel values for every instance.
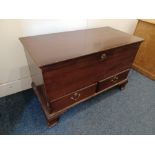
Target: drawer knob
(103, 57)
(114, 79)
(75, 96)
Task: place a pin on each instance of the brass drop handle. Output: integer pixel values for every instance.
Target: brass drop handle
(114, 79)
(103, 57)
(75, 96)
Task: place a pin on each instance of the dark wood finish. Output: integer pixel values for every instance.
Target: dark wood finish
(86, 71)
(51, 48)
(73, 97)
(86, 63)
(123, 84)
(113, 80)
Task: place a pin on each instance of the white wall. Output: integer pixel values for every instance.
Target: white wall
(14, 72)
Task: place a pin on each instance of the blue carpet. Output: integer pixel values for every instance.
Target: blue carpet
(131, 111)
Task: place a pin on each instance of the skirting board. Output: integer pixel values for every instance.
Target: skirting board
(143, 71)
(15, 86)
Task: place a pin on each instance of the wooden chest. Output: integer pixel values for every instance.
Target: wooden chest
(70, 67)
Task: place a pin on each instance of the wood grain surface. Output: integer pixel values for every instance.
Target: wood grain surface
(145, 58)
(51, 48)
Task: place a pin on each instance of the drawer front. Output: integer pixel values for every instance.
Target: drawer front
(68, 77)
(74, 97)
(104, 84)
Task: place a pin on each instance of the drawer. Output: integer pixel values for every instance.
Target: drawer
(72, 98)
(104, 84)
(66, 77)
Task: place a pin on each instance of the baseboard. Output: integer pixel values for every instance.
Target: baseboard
(15, 86)
(143, 71)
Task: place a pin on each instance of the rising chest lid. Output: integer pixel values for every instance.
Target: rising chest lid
(51, 48)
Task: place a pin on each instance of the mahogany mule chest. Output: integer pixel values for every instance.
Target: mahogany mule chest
(70, 67)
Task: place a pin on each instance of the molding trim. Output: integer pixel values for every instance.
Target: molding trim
(15, 86)
(143, 71)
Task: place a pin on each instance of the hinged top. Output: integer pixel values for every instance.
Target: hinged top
(51, 48)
